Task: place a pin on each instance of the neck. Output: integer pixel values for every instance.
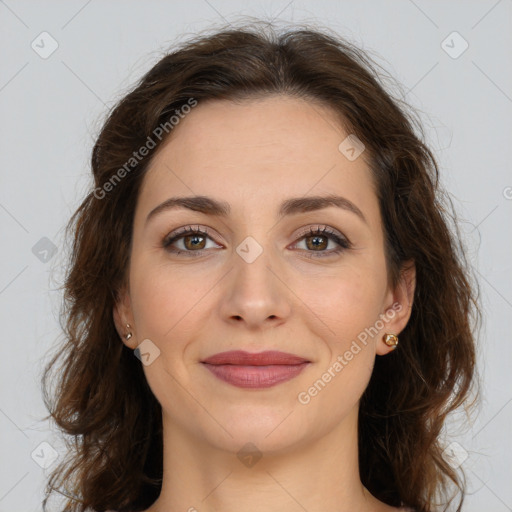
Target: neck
(318, 475)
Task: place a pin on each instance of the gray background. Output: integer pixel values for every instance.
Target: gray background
(51, 109)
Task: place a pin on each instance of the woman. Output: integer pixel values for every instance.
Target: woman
(265, 307)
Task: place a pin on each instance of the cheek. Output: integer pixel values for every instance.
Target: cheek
(347, 303)
(171, 307)
(358, 306)
(161, 299)
(348, 307)
(165, 309)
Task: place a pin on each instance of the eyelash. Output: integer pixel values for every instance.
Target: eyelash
(343, 243)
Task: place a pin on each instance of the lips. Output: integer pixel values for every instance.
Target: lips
(239, 357)
(255, 370)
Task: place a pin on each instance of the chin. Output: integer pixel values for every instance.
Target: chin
(271, 429)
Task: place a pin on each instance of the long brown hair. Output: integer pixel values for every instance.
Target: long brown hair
(103, 401)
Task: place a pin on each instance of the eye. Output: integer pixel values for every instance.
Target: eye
(317, 240)
(193, 241)
(188, 239)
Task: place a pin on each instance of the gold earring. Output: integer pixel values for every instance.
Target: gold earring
(391, 340)
(129, 335)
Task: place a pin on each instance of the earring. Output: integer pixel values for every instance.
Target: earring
(129, 335)
(391, 340)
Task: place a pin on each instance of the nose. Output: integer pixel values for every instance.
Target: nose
(255, 292)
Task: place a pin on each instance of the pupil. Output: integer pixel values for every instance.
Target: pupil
(316, 243)
(195, 240)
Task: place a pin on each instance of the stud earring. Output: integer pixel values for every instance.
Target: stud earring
(129, 334)
(391, 340)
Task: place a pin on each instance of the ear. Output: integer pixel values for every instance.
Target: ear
(123, 315)
(398, 306)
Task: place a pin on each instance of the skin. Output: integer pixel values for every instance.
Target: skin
(254, 155)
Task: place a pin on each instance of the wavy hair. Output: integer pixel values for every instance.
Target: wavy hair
(102, 401)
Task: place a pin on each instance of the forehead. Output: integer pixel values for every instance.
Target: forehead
(257, 151)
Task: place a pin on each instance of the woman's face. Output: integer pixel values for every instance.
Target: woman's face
(255, 279)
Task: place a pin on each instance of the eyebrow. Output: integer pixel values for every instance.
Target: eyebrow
(292, 206)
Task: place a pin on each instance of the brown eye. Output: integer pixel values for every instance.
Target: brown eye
(194, 241)
(188, 240)
(317, 240)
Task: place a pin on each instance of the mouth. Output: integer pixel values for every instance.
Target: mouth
(255, 370)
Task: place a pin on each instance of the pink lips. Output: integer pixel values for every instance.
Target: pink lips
(249, 370)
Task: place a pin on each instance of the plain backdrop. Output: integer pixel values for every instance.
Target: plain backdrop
(64, 64)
